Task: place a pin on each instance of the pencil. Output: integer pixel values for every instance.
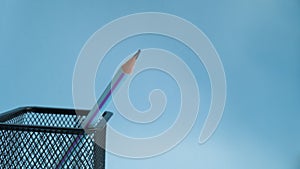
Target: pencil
(94, 115)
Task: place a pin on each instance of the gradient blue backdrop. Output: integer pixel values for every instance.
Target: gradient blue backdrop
(258, 42)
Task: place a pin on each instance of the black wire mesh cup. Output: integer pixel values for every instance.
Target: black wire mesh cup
(37, 137)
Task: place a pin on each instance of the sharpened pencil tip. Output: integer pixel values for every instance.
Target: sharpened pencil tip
(136, 55)
(129, 65)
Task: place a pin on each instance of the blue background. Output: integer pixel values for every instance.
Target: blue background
(258, 43)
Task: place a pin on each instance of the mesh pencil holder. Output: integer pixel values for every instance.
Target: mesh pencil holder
(37, 137)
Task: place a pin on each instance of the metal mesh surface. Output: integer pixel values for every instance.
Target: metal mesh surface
(32, 139)
(46, 119)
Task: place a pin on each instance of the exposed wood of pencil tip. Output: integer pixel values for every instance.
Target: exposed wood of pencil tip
(129, 65)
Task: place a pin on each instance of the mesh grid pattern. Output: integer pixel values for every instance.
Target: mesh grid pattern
(43, 148)
(46, 119)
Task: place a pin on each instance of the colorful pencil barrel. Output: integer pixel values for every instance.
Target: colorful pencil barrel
(94, 115)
